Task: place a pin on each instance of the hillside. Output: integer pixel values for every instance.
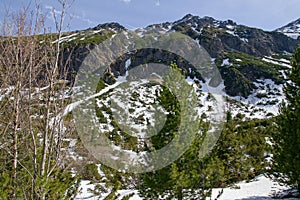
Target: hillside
(122, 98)
(252, 62)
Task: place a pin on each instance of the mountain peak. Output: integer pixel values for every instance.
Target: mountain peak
(292, 25)
(191, 18)
(112, 25)
(188, 16)
(291, 29)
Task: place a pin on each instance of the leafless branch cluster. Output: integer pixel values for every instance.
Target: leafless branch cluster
(32, 90)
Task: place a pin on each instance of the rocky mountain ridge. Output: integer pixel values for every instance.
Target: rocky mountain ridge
(253, 62)
(220, 36)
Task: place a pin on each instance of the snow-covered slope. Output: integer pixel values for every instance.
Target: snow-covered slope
(260, 188)
(292, 29)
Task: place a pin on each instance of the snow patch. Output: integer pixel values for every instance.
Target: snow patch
(230, 27)
(260, 188)
(276, 62)
(232, 33)
(226, 62)
(66, 38)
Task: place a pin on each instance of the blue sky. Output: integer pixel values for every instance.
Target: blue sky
(265, 14)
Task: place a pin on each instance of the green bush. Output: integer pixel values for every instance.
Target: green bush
(90, 172)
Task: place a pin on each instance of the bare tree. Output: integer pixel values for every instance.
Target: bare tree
(33, 83)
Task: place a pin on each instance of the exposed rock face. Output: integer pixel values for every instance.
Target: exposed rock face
(219, 36)
(114, 26)
(149, 55)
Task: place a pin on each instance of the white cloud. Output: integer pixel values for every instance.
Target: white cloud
(52, 13)
(157, 3)
(126, 1)
(83, 19)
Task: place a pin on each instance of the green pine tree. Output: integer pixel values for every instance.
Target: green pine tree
(185, 178)
(286, 166)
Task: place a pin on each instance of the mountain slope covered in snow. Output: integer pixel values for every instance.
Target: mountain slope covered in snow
(292, 29)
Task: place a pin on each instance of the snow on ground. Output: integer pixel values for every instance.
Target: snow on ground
(124, 193)
(244, 39)
(230, 27)
(226, 62)
(292, 35)
(277, 62)
(85, 188)
(199, 32)
(291, 30)
(261, 188)
(232, 33)
(263, 102)
(5, 92)
(210, 99)
(66, 38)
(128, 106)
(85, 192)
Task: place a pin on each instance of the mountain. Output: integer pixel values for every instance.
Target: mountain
(252, 62)
(220, 36)
(292, 29)
(217, 37)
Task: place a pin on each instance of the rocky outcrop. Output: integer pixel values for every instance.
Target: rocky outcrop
(220, 36)
(113, 26)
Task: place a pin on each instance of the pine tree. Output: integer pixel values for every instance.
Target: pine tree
(189, 176)
(287, 139)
